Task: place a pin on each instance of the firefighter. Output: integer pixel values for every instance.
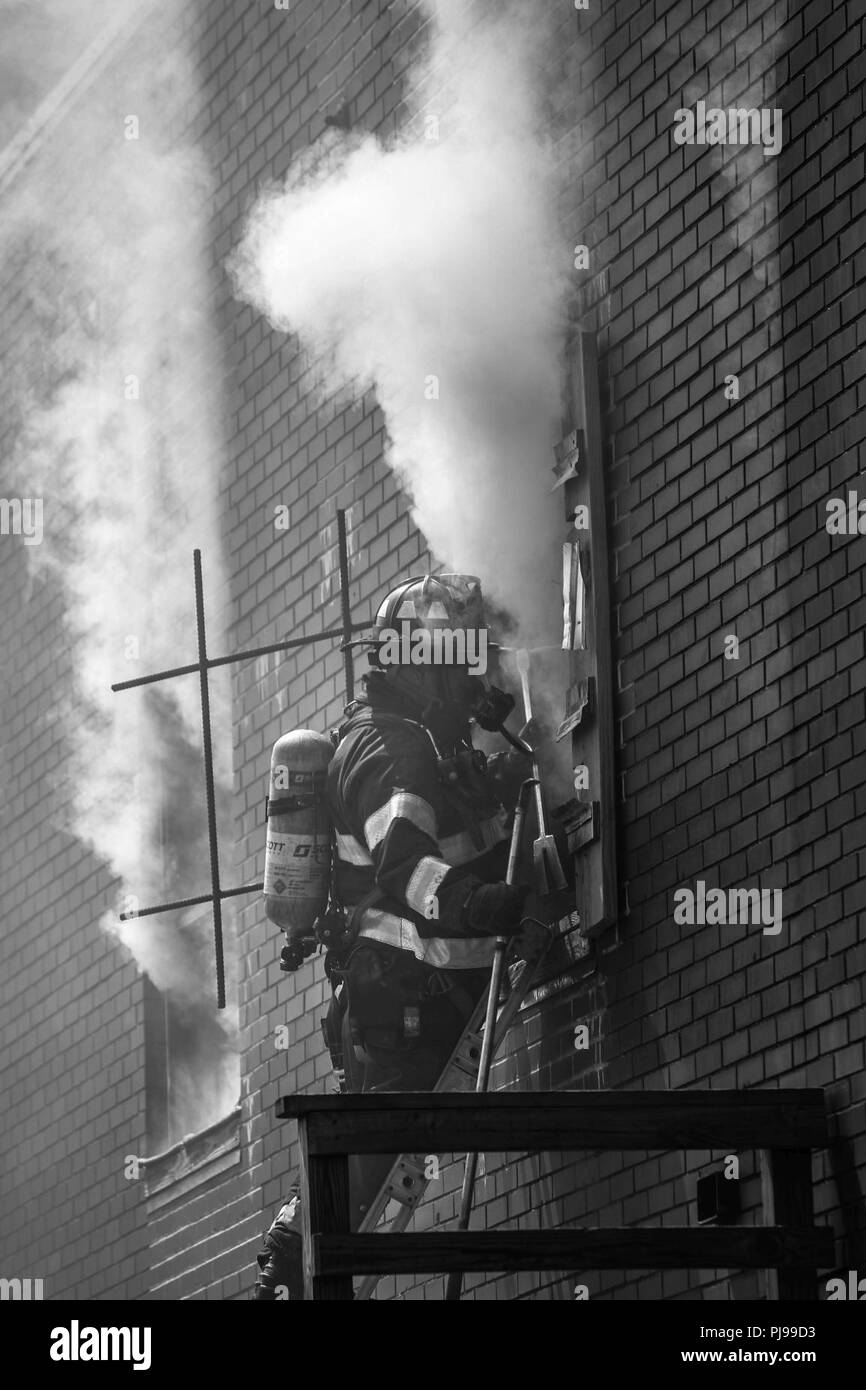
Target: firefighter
(421, 848)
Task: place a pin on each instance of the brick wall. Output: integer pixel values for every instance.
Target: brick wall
(727, 767)
(740, 772)
(704, 262)
(743, 772)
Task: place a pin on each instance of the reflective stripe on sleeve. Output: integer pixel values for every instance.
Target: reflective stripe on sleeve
(421, 889)
(445, 953)
(401, 806)
(351, 851)
(460, 848)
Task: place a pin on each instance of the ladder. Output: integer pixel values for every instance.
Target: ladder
(406, 1182)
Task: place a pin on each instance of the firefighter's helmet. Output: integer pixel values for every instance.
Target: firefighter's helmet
(432, 602)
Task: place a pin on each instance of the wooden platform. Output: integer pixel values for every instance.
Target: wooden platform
(784, 1125)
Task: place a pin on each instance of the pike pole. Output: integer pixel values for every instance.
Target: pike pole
(455, 1278)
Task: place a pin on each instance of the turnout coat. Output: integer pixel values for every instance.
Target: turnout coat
(418, 825)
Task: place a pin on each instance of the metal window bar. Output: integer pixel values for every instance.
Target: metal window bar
(204, 664)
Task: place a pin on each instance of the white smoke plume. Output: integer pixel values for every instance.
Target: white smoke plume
(118, 397)
(42, 39)
(432, 269)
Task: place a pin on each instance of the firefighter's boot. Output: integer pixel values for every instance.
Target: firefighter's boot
(281, 1261)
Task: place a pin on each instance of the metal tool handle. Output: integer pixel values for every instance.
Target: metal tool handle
(549, 874)
(455, 1278)
(501, 948)
(522, 658)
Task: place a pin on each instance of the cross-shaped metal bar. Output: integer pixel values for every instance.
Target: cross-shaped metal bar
(203, 666)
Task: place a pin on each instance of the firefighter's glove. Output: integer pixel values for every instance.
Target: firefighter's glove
(493, 909)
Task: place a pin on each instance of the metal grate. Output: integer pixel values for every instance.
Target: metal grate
(203, 665)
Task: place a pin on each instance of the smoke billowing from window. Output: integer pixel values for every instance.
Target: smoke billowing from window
(431, 268)
(116, 391)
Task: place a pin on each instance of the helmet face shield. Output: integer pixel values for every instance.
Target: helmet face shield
(466, 600)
